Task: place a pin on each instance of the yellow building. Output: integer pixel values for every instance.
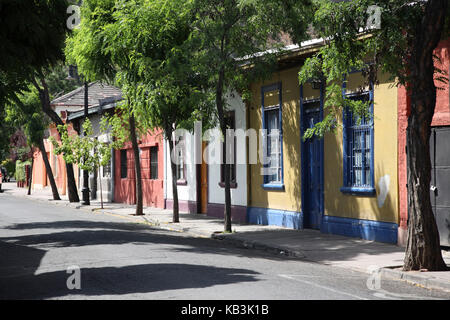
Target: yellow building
(345, 183)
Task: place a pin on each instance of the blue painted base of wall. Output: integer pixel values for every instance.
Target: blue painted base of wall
(274, 217)
(364, 229)
(357, 228)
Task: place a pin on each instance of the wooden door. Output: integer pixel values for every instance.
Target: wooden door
(203, 182)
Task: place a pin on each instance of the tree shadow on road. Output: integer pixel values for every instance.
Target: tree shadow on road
(115, 281)
(78, 233)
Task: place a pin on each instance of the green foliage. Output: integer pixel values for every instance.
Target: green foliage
(87, 151)
(6, 130)
(140, 44)
(351, 45)
(27, 114)
(26, 111)
(32, 38)
(20, 173)
(118, 125)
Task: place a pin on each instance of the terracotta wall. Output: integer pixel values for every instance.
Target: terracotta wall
(57, 163)
(441, 118)
(153, 190)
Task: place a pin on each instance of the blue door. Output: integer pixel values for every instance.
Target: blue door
(312, 208)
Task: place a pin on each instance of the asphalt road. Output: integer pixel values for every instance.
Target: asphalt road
(43, 245)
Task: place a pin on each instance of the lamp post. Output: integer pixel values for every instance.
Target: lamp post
(73, 74)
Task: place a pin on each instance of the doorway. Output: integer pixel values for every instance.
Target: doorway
(312, 169)
(203, 190)
(440, 181)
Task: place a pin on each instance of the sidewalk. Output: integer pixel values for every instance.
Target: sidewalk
(310, 245)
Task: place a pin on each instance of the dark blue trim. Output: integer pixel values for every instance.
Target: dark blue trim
(364, 229)
(264, 89)
(273, 186)
(275, 217)
(369, 191)
(302, 148)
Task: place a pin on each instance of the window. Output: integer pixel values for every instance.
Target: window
(153, 163)
(273, 149)
(123, 164)
(230, 122)
(181, 165)
(273, 146)
(358, 150)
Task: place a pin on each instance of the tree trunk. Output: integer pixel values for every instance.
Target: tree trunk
(423, 248)
(173, 167)
(30, 179)
(225, 166)
(137, 166)
(46, 107)
(48, 168)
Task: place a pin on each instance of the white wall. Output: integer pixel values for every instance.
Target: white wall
(186, 192)
(216, 194)
(106, 182)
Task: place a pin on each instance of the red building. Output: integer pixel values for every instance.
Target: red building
(152, 171)
(439, 149)
(118, 178)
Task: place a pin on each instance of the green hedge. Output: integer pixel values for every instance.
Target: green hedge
(20, 170)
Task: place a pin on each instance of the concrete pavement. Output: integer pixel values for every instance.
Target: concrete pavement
(310, 245)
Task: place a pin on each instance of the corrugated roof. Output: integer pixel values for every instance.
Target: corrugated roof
(96, 91)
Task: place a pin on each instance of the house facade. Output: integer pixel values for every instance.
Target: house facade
(101, 181)
(151, 155)
(200, 180)
(57, 163)
(236, 119)
(345, 183)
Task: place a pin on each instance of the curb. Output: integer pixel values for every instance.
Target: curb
(251, 244)
(415, 278)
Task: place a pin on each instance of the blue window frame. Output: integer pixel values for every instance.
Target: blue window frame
(359, 149)
(273, 146)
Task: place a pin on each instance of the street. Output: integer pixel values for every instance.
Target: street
(43, 246)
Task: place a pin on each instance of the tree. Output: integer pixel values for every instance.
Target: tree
(32, 41)
(86, 48)
(27, 114)
(6, 131)
(139, 45)
(87, 151)
(166, 92)
(44, 96)
(228, 34)
(402, 46)
(32, 38)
